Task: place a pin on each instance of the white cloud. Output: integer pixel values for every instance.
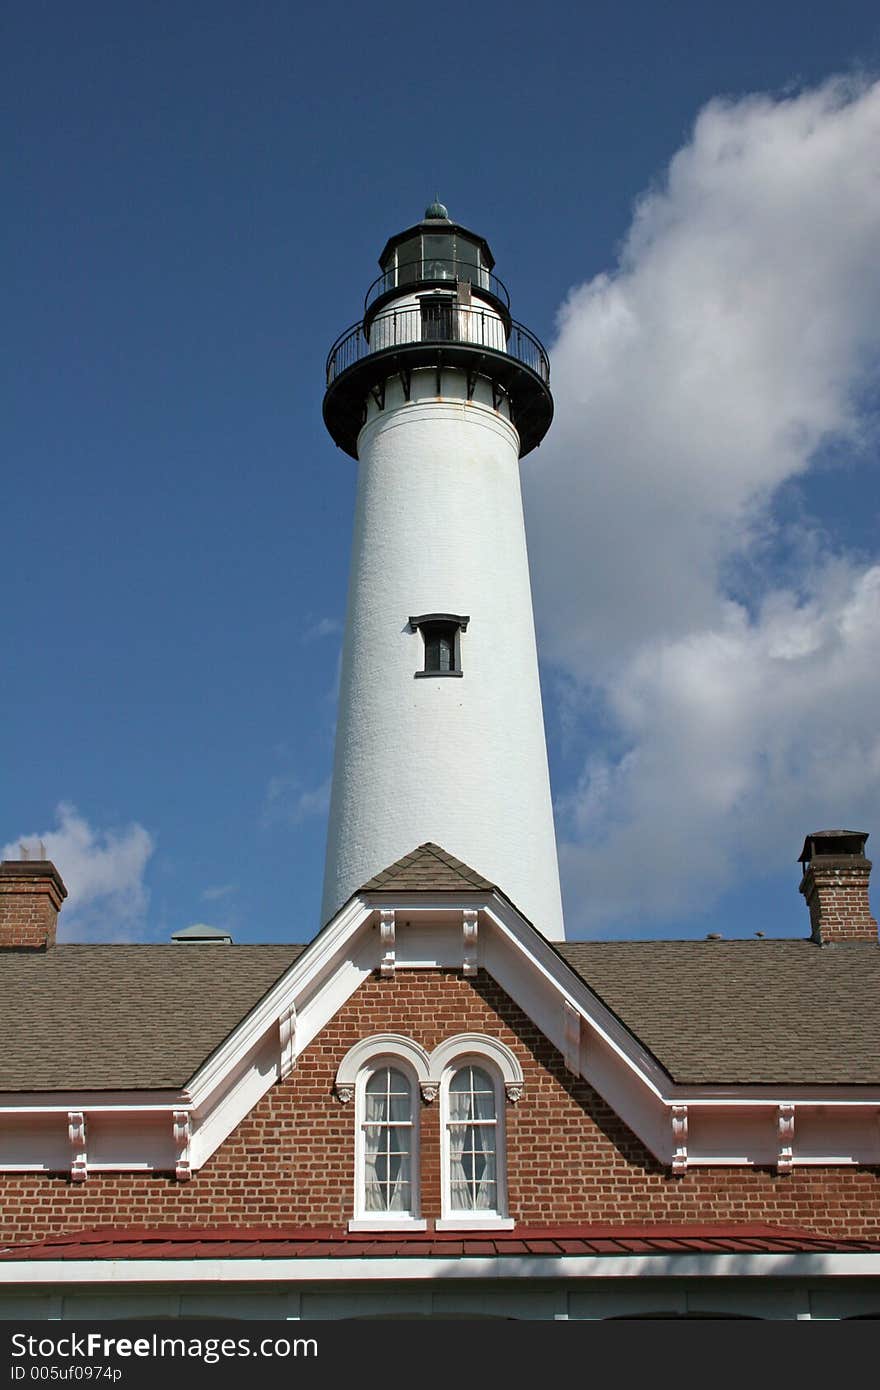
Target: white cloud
(742, 738)
(739, 335)
(323, 627)
(289, 801)
(103, 871)
(220, 890)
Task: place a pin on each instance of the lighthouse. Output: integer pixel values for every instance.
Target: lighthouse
(438, 392)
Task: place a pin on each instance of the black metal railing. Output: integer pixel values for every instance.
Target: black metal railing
(431, 270)
(437, 323)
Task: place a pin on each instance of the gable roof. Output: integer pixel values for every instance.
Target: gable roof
(125, 1017)
(431, 869)
(741, 1012)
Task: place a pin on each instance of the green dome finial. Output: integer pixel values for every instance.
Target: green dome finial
(436, 210)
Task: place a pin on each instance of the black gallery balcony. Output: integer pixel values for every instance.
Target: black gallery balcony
(438, 332)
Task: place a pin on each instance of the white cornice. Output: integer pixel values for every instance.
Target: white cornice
(25, 1273)
(304, 971)
(95, 1102)
(542, 958)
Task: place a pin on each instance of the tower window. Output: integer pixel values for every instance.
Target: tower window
(439, 318)
(441, 636)
(440, 647)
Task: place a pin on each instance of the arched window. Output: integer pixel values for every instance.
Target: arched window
(386, 1146)
(473, 1142)
(387, 1128)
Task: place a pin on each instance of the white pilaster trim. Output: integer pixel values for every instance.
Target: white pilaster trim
(386, 937)
(785, 1137)
(679, 1118)
(469, 929)
(286, 1042)
(181, 1130)
(76, 1133)
(571, 1023)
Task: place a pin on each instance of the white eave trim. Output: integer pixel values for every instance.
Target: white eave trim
(602, 1021)
(22, 1273)
(310, 964)
(130, 1104)
(578, 994)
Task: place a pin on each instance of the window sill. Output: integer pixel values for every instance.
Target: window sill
(420, 675)
(388, 1223)
(475, 1223)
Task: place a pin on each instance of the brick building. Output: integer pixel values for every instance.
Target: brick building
(665, 1127)
(439, 1107)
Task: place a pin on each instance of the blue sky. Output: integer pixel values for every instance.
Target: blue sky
(683, 202)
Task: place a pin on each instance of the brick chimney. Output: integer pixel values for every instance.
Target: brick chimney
(31, 894)
(835, 885)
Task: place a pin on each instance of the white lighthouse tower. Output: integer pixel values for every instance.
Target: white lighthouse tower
(438, 393)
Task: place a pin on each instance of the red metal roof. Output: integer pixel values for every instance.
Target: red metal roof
(197, 1243)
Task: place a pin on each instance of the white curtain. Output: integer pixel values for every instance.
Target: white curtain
(472, 1141)
(387, 1142)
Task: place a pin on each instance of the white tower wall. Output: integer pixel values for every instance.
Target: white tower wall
(458, 761)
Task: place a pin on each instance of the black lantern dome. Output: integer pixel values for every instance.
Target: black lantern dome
(437, 304)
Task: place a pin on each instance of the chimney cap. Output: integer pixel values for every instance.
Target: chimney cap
(836, 842)
(33, 868)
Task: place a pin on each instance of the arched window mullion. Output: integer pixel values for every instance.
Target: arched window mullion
(473, 1146)
(386, 1147)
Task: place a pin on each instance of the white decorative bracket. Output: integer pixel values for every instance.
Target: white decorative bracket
(785, 1137)
(430, 1090)
(76, 1132)
(679, 1139)
(386, 936)
(344, 1093)
(572, 1030)
(469, 933)
(286, 1043)
(513, 1090)
(181, 1128)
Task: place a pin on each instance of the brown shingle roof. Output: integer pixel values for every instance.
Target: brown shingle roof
(125, 1017)
(428, 867)
(711, 1012)
(739, 1012)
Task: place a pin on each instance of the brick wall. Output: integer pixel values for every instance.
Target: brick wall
(570, 1159)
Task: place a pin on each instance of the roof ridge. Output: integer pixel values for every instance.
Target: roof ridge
(450, 861)
(414, 871)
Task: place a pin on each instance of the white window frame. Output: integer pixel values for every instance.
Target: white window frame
(452, 1220)
(363, 1219)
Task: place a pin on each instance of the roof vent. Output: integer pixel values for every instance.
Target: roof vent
(200, 934)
